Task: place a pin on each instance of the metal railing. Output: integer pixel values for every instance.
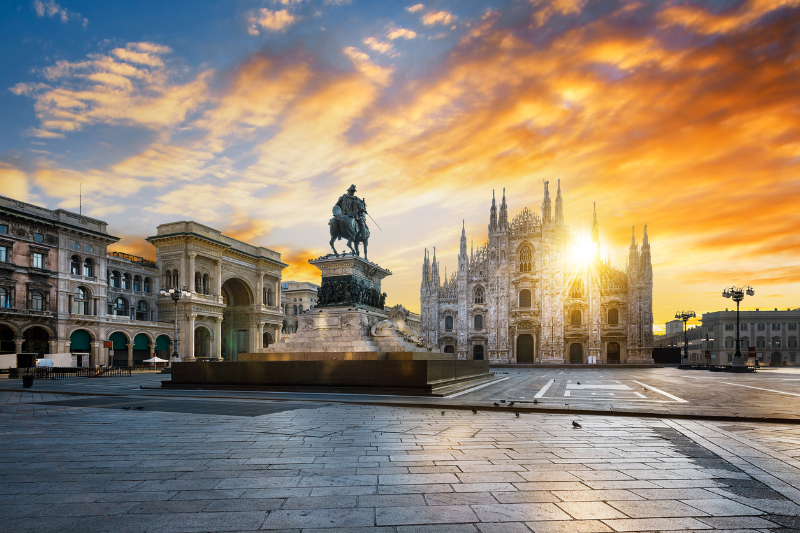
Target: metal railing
(70, 372)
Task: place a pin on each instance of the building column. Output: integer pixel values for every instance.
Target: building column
(260, 340)
(192, 255)
(94, 354)
(260, 288)
(188, 341)
(53, 346)
(219, 280)
(130, 354)
(216, 350)
(18, 343)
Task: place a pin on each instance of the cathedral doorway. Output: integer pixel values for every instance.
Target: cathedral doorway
(575, 353)
(776, 359)
(477, 352)
(525, 349)
(612, 354)
(449, 349)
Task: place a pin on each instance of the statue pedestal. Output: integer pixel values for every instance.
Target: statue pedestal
(350, 280)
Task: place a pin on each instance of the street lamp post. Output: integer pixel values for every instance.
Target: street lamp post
(685, 316)
(175, 293)
(737, 294)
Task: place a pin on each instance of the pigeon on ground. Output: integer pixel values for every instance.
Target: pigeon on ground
(535, 401)
(126, 408)
(517, 413)
(496, 404)
(502, 401)
(442, 413)
(579, 383)
(576, 425)
(140, 408)
(475, 411)
(511, 404)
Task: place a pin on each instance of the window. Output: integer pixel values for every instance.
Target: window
(141, 310)
(791, 326)
(89, 249)
(75, 265)
(300, 309)
(198, 282)
(710, 345)
(761, 342)
(744, 342)
(792, 342)
(576, 291)
(37, 301)
(728, 343)
(524, 298)
(792, 357)
(478, 322)
(776, 342)
(146, 284)
(205, 284)
(776, 326)
(38, 237)
(3, 229)
(762, 327)
(525, 259)
(137, 283)
(76, 246)
(728, 327)
(88, 268)
(120, 307)
(5, 298)
(126, 281)
(38, 260)
(478, 295)
(613, 317)
(743, 327)
(448, 323)
(294, 311)
(115, 279)
(575, 318)
(80, 301)
(4, 254)
(711, 328)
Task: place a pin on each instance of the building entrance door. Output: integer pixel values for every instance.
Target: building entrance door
(477, 352)
(612, 355)
(575, 353)
(776, 359)
(525, 349)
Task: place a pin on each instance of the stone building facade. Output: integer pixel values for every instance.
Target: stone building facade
(296, 297)
(774, 335)
(234, 305)
(521, 298)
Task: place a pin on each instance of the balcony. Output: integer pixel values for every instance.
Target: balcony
(7, 265)
(32, 313)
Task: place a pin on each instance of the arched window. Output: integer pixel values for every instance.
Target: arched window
(613, 317)
(126, 281)
(137, 283)
(294, 310)
(80, 301)
(776, 342)
(75, 265)
(478, 295)
(5, 298)
(121, 306)
(88, 268)
(449, 349)
(300, 308)
(37, 301)
(524, 298)
(576, 290)
(115, 279)
(198, 282)
(478, 322)
(168, 279)
(141, 310)
(526, 259)
(575, 318)
(146, 286)
(448, 323)
(205, 284)
(175, 278)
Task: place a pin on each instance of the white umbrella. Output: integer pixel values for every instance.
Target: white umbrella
(155, 359)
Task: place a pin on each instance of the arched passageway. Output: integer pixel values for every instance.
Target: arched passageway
(202, 342)
(7, 344)
(119, 344)
(238, 300)
(36, 340)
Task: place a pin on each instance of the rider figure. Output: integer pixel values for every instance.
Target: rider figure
(352, 206)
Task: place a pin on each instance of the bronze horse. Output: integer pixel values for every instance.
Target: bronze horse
(345, 227)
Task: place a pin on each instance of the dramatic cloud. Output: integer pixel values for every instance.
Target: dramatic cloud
(379, 46)
(401, 33)
(265, 19)
(50, 9)
(437, 17)
(415, 8)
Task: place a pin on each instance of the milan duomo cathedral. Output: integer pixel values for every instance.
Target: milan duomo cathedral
(524, 298)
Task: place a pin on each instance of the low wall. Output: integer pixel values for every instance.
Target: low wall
(355, 373)
(344, 356)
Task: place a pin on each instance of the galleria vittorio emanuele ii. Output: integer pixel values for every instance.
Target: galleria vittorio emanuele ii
(537, 293)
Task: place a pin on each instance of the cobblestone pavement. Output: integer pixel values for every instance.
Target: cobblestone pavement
(772, 392)
(97, 463)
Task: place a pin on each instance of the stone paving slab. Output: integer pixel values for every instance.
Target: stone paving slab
(358, 468)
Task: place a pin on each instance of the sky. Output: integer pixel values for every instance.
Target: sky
(254, 116)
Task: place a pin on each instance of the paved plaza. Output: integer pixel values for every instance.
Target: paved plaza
(107, 455)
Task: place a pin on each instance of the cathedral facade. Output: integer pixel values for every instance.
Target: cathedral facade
(526, 296)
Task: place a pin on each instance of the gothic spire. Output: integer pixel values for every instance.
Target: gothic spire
(503, 211)
(463, 251)
(633, 253)
(546, 204)
(559, 219)
(434, 270)
(595, 227)
(426, 277)
(493, 215)
(645, 263)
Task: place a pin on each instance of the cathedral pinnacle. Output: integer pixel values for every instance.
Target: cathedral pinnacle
(546, 204)
(493, 215)
(595, 226)
(503, 222)
(559, 219)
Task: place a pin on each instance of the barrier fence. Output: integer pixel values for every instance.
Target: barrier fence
(70, 372)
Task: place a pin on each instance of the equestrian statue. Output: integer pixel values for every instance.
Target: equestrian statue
(349, 222)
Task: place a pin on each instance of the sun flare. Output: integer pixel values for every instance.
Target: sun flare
(583, 250)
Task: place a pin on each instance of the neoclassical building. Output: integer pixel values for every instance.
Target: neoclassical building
(525, 297)
(234, 305)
